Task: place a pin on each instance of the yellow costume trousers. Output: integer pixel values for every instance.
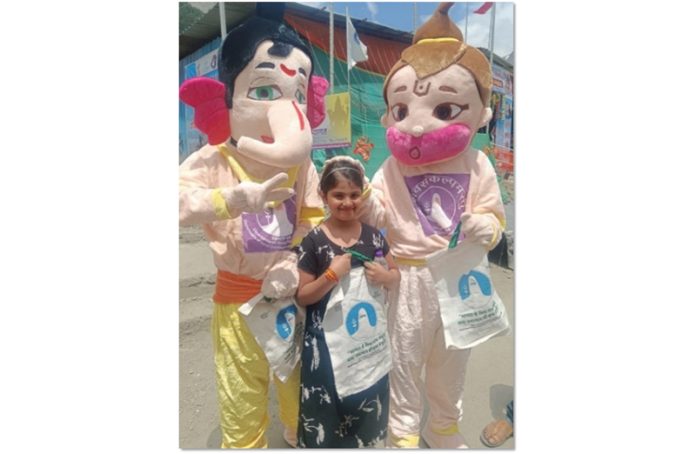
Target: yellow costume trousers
(243, 376)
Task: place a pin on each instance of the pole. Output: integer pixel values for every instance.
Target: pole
(348, 40)
(491, 43)
(223, 19)
(415, 16)
(491, 35)
(331, 48)
(466, 21)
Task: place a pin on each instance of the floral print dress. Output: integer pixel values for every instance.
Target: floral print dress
(326, 421)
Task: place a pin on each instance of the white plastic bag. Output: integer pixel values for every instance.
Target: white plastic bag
(471, 310)
(355, 328)
(278, 327)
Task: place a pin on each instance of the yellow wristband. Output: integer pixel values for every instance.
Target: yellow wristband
(220, 205)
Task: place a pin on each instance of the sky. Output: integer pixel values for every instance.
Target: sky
(400, 16)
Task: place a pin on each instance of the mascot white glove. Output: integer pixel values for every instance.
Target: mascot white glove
(282, 279)
(479, 229)
(252, 197)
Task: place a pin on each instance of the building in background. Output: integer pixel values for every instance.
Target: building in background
(362, 103)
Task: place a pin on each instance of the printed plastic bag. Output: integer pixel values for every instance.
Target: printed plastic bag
(471, 310)
(355, 328)
(278, 327)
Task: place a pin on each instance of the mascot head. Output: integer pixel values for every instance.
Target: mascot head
(265, 94)
(437, 94)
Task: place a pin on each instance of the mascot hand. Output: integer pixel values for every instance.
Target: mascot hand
(478, 228)
(282, 279)
(252, 197)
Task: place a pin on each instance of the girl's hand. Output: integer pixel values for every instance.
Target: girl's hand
(377, 274)
(340, 265)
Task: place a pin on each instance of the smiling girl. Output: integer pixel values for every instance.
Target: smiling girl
(358, 420)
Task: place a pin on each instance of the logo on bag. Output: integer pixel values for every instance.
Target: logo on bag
(285, 322)
(474, 283)
(362, 315)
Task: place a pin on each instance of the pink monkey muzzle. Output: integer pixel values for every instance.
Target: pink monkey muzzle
(433, 146)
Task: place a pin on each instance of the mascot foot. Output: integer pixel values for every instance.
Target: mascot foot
(290, 437)
(405, 442)
(439, 441)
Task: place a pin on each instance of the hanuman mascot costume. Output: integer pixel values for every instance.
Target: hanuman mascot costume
(253, 189)
(437, 96)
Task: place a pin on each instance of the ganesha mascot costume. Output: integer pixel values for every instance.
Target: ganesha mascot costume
(437, 96)
(253, 189)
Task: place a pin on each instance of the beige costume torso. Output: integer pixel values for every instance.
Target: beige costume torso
(420, 206)
(247, 243)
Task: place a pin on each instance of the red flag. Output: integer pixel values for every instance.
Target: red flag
(484, 8)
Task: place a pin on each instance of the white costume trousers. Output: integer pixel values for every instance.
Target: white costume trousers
(417, 340)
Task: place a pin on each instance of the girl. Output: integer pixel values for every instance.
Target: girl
(358, 420)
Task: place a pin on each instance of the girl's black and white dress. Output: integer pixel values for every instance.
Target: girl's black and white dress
(358, 420)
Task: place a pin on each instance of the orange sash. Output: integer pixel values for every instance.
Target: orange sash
(233, 288)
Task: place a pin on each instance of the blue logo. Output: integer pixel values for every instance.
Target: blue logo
(481, 279)
(283, 326)
(353, 317)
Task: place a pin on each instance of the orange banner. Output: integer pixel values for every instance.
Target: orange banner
(504, 159)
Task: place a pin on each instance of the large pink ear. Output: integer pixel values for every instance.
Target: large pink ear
(207, 97)
(316, 108)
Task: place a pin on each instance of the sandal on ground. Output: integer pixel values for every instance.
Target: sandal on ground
(496, 433)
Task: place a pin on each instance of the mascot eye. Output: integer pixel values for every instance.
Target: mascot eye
(448, 110)
(300, 97)
(265, 93)
(399, 112)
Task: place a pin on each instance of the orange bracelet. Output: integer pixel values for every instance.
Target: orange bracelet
(331, 275)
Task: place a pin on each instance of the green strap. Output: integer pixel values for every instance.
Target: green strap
(359, 256)
(455, 236)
